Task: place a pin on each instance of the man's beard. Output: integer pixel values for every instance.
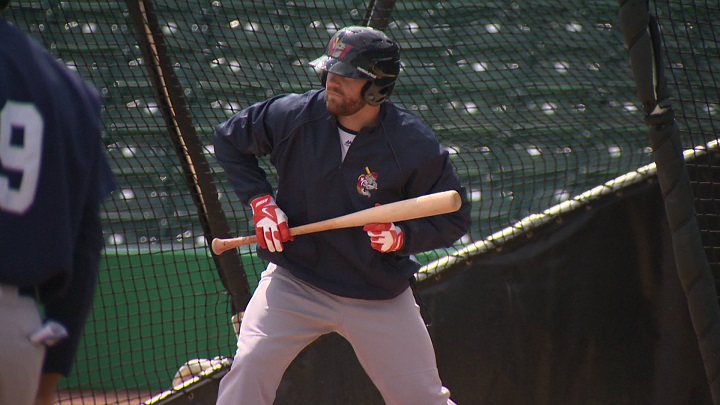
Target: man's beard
(341, 106)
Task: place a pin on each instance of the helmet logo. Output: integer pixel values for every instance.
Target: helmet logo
(338, 49)
(367, 182)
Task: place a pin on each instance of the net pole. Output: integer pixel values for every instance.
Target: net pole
(188, 147)
(378, 15)
(643, 39)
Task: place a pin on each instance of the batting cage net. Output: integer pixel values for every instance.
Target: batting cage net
(534, 100)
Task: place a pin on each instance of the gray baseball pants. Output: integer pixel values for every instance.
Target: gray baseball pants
(21, 360)
(285, 315)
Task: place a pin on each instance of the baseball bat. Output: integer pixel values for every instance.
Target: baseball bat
(424, 206)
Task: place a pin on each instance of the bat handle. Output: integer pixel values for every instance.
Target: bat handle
(220, 246)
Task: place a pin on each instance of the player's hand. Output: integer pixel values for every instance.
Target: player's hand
(271, 226)
(386, 237)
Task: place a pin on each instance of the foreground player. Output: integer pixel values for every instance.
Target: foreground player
(339, 150)
(53, 177)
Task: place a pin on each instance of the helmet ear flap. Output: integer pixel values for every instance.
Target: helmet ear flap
(376, 92)
(366, 93)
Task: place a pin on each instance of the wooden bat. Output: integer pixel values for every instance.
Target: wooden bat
(424, 206)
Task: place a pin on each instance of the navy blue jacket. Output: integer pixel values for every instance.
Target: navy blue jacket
(399, 158)
(53, 177)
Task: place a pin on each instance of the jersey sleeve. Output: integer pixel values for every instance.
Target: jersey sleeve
(431, 171)
(239, 142)
(72, 309)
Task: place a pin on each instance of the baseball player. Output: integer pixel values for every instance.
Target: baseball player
(339, 150)
(53, 177)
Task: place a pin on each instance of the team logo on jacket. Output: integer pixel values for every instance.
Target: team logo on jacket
(367, 182)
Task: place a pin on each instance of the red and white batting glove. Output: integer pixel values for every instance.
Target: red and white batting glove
(385, 237)
(271, 226)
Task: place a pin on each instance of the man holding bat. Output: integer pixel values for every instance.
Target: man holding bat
(339, 150)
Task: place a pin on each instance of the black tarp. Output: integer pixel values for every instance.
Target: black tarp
(586, 309)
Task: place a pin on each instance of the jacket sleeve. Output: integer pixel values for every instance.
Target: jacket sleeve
(239, 142)
(72, 309)
(435, 174)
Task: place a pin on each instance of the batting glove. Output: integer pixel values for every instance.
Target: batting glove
(385, 237)
(271, 226)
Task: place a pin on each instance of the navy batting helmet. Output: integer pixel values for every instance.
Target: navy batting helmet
(363, 53)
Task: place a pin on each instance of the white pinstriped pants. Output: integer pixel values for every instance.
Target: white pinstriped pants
(285, 315)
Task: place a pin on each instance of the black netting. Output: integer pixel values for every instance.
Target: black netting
(535, 100)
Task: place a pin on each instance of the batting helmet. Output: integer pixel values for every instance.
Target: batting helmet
(363, 53)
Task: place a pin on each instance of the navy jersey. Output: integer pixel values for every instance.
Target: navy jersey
(51, 160)
(53, 178)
